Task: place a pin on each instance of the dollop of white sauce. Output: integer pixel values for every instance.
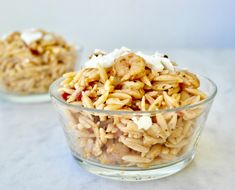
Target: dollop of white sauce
(30, 36)
(156, 61)
(144, 122)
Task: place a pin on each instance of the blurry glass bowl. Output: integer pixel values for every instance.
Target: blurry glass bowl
(35, 97)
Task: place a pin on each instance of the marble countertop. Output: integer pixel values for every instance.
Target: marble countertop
(34, 154)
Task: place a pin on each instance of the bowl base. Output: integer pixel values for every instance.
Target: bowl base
(33, 98)
(136, 175)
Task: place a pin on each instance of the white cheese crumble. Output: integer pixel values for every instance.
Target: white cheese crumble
(153, 60)
(48, 37)
(144, 122)
(167, 63)
(30, 36)
(156, 61)
(106, 60)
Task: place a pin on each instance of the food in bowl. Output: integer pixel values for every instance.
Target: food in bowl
(31, 60)
(132, 110)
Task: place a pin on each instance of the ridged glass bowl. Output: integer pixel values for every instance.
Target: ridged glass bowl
(109, 144)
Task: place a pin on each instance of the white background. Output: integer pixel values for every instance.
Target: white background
(140, 24)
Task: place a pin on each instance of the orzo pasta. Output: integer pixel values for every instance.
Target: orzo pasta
(30, 61)
(131, 82)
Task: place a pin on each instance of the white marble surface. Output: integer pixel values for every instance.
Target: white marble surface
(34, 154)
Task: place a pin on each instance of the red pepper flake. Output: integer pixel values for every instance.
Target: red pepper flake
(34, 52)
(133, 98)
(79, 96)
(118, 87)
(135, 108)
(65, 96)
(90, 130)
(92, 83)
(180, 113)
(181, 85)
(154, 119)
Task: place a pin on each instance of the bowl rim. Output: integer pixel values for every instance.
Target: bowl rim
(124, 112)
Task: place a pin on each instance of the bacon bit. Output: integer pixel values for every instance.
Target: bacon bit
(65, 96)
(79, 96)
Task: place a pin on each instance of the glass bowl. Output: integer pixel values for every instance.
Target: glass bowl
(34, 97)
(109, 144)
